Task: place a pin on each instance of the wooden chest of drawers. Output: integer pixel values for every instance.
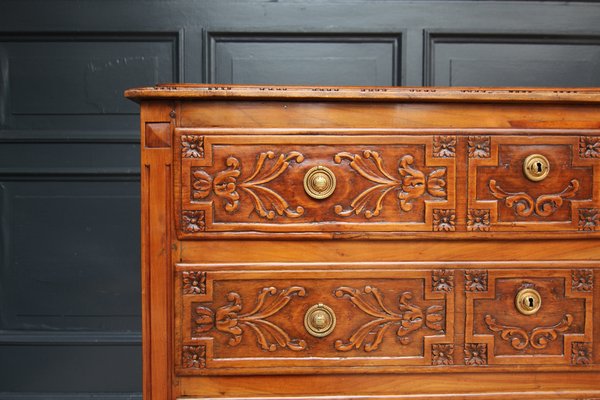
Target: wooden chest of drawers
(370, 242)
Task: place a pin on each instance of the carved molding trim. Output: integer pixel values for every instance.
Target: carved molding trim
(411, 184)
(444, 220)
(194, 282)
(267, 202)
(589, 146)
(478, 220)
(193, 221)
(193, 357)
(582, 280)
(229, 319)
(476, 280)
(524, 205)
(581, 353)
(475, 354)
(192, 146)
(589, 219)
(442, 354)
(479, 146)
(370, 335)
(444, 146)
(538, 338)
(442, 280)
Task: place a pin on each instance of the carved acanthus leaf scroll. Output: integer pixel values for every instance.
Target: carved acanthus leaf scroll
(538, 338)
(229, 319)
(225, 184)
(410, 185)
(524, 205)
(370, 335)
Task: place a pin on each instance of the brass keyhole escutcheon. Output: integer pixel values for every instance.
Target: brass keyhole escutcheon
(536, 167)
(319, 320)
(528, 301)
(319, 182)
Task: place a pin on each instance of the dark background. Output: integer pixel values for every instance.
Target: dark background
(69, 153)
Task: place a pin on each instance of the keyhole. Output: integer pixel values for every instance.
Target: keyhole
(539, 167)
(530, 299)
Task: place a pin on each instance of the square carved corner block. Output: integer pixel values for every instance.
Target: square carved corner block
(370, 242)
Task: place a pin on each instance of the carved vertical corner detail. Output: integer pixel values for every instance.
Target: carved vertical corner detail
(581, 353)
(192, 146)
(442, 354)
(194, 357)
(589, 219)
(475, 354)
(479, 146)
(444, 146)
(589, 147)
(582, 280)
(478, 220)
(442, 280)
(193, 221)
(476, 280)
(444, 220)
(194, 282)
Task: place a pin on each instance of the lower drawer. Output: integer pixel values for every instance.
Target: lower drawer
(290, 319)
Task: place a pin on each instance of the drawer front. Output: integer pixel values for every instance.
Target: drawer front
(231, 320)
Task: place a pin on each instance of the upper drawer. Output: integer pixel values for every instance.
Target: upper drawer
(382, 184)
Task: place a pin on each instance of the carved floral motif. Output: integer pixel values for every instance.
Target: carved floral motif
(538, 338)
(524, 205)
(441, 354)
(581, 353)
(589, 147)
(442, 280)
(193, 221)
(476, 280)
(194, 357)
(411, 184)
(192, 146)
(194, 282)
(225, 185)
(582, 280)
(229, 319)
(444, 146)
(475, 354)
(479, 146)
(444, 220)
(478, 220)
(370, 335)
(589, 219)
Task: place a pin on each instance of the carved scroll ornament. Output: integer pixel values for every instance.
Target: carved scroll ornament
(538, 338)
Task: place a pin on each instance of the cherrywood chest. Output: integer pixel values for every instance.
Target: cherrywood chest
(319, 242)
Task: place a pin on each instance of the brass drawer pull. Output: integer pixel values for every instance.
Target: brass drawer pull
(319, 320)
(319, 182)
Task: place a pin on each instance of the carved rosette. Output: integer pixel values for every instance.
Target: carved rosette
(442, 280)
(194, 282)
(589, 219)
(581, 353)
(193, 221)
(230, 320)
(479, 146)
(476, 280)
(193, 357)
(538, 338)
(444, 146)
(410, 184)
(370, 335)
(228, 186)
(478, 220)
(582, 280)
(444, 220)
(589, 147)
(475, 354)
(442, 354)
(192, 146)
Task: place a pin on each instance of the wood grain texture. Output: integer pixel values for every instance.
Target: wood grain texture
(432, 232)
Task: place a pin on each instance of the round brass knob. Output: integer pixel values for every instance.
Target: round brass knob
(528, 301)
(319, 320)
(536, 167)
(319, 182)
